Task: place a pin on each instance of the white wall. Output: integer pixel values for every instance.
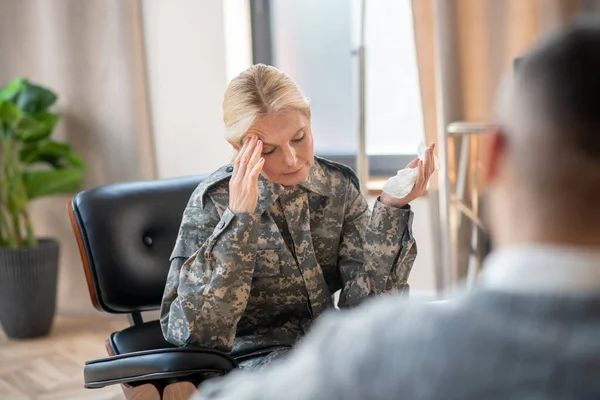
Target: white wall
(187, 65)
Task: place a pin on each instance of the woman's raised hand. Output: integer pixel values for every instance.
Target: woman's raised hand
(243, 185)
(426, 169)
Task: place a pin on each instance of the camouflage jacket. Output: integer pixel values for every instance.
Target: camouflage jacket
(242, 282)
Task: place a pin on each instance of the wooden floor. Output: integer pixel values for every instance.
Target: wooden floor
(51, 368)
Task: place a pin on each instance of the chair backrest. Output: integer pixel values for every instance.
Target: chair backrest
(125, 233)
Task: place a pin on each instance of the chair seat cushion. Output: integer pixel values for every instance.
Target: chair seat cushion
(151, 365)
(142, 355)
(148, 336)
(141, 337)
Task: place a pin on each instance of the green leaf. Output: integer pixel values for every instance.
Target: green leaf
(33, 128)
(29, 154)
(43, 127)
(60, 149)
(46, 183)
(12, 89)
(75, 160)
(44, 153)
(34, 98)
(58, 155)
(27, 127)
(9, 113)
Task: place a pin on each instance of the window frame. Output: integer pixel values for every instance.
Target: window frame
(262, 52)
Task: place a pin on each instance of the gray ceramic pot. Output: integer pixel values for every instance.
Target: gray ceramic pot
(28, 282)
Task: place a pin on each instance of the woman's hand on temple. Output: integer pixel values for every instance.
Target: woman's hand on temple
(426, 169)
(243, 185)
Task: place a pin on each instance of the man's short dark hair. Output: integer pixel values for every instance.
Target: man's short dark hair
(564, 73)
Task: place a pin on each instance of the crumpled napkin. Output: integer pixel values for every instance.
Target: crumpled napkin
(402, 183)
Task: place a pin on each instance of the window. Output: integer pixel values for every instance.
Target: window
(315, 42)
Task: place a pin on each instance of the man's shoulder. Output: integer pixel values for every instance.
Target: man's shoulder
(389, 308)
(397, 337)
(386, 318)
(387, 345)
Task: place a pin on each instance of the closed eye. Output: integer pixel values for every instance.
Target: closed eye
(300, 138)
(266, 153)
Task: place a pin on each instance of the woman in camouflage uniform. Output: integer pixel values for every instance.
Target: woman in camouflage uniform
(266, 241)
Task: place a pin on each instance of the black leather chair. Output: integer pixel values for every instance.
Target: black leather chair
(125, 234)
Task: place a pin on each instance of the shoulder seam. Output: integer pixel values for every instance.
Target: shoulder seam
(213, 179)
(346, 170)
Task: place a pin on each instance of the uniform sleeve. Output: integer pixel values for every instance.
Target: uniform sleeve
(206, 293)
(377, 249)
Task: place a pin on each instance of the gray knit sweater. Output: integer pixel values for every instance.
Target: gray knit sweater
(483, 345)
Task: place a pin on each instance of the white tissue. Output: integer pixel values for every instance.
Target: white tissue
(399, 186)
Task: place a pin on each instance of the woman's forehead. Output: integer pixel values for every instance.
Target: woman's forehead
(272, 128)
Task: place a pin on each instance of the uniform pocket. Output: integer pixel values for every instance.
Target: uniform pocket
(267, 263)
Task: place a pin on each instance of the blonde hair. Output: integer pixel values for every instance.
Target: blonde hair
(260, 90)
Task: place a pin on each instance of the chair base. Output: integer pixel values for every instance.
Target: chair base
(174, 391)
(141, 392)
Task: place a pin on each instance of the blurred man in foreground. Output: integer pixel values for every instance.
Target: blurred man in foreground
(531, 327)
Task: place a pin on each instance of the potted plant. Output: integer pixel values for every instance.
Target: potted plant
(32, 165)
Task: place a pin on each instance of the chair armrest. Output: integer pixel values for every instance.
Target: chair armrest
(174, 365)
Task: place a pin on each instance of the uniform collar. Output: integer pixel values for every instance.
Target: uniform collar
(268, 192)
(317, 181)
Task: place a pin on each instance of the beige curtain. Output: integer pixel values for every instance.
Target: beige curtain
(91, 53)
(464, 47)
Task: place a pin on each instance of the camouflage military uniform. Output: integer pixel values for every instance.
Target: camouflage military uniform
(252, 283)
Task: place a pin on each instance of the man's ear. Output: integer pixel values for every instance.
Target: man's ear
(495, 146)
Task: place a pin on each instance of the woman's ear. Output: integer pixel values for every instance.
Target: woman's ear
(235, 146)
